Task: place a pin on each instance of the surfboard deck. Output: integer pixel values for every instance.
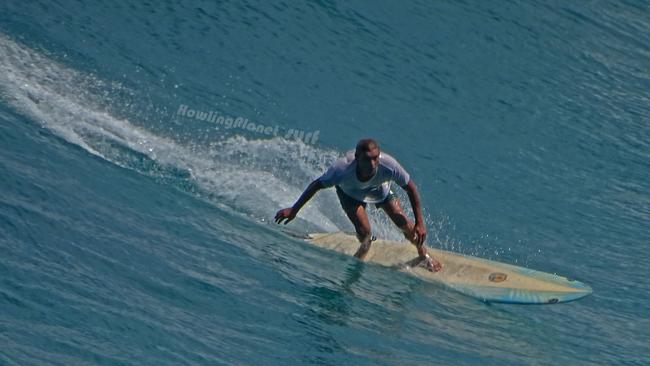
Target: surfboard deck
(483, 279)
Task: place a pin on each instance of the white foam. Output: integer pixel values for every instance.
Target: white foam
(254, 176)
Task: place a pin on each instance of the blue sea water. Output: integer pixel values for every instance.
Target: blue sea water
(134, 233)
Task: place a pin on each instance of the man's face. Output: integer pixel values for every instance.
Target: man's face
(368, 161)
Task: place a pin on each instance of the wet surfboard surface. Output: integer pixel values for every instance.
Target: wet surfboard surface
(480, 278)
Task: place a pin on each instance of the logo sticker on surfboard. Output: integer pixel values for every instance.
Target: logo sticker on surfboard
(497, 277)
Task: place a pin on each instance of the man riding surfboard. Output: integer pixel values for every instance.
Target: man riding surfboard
(364, 176)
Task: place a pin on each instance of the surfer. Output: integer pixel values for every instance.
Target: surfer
(362, 176)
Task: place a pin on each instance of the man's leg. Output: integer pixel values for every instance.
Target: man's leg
(394, 210)
(356, 212)
(361, 224)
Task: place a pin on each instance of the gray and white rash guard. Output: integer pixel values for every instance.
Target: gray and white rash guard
(343, 174)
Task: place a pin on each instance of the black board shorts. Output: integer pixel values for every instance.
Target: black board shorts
(348, 202)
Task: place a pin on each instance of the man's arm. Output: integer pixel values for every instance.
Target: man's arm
(414, 197)
(420, 230)
(290, 213)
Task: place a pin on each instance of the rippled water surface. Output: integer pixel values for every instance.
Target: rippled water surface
(134, 232)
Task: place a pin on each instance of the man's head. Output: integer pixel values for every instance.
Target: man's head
(367, 156)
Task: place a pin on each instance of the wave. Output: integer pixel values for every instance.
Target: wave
(253, 176)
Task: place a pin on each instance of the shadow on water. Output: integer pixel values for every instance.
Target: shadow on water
(332, 304)
(329, 307)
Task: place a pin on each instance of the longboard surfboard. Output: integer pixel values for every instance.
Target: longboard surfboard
(483, 279)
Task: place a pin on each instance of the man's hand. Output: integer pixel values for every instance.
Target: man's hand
(421, 233)
(287, 214)
(290, 213)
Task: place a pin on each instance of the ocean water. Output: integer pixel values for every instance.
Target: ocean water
(145, 147)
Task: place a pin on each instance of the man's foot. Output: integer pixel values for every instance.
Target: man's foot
(431, 263)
